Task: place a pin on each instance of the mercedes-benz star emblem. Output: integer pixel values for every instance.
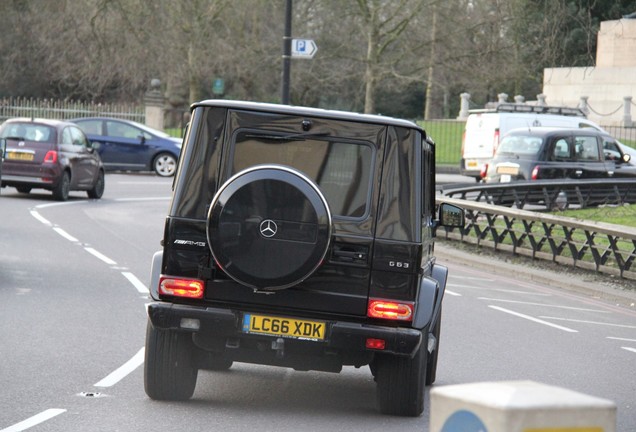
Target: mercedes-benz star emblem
(268, 228)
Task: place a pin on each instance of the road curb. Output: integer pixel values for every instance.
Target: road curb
(622, 292)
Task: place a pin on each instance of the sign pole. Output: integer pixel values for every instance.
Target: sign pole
(287, 40)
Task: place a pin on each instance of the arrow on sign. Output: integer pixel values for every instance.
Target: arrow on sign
(303, 48)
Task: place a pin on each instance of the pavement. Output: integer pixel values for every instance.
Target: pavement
(613, 289)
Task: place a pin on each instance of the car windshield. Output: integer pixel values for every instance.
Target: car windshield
(28, 132)
(341, 168)
(521, 145)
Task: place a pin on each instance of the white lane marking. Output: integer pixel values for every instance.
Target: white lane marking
(621, 339)
(64, 234)
(449, 292)
(136, 282)
(543, 305)
(499, 290)
(120, 373)
(532, 319)
(39, 217)
(472, 278)
(143, 199)
(629, 349)
(35, 420)
(99, 255)
(589, 322)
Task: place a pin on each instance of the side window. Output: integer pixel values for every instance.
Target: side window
(122, 130)
(78, 137)
(92, 127)
(66, 136)
(560, 150)
(611, 150)
(586, 148)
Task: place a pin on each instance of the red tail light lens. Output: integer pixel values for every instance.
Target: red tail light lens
(535, 173)
(51, 157)
(495, 142)
(484, 171)
(189, 288)
(375, 344)
(389, 309)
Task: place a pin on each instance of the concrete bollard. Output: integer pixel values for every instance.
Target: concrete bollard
(518, 406)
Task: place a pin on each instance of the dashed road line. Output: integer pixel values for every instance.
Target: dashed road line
(136, 282)
(621, 339)
(588, 322)
(629, 349)
(121, 372)
(473, 287)
(453, 293)
(543, 305)
(64, 234)
(100, 256)
(520, 315)
(35, 420)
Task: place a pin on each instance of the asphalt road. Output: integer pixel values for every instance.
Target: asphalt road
(73, 284)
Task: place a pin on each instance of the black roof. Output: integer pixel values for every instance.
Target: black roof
(307, 111)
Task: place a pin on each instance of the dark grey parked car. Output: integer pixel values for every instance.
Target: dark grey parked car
(50, 154)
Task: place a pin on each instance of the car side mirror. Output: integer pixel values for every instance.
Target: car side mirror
(627, 158)
(142, 139)
(451, 216)
(3, 146)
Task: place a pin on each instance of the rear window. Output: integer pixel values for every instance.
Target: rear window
(341, 168)
(526, 145)
(28, 132)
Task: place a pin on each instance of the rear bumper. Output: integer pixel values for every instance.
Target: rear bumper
(341, 336)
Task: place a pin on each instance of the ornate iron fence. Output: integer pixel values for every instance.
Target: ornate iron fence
(549, 194)
(604, 248)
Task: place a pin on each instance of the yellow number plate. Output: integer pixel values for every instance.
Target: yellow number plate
(472, 164)
(512, 170)
(13, 155)
(284, 327)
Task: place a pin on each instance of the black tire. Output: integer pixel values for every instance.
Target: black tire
(164, 164)
(63, 187)
(431, 364)
(98, 187)
(23, 189)
(401, 382)
(169, 370)
(269, 227)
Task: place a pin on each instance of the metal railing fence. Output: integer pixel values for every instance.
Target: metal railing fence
(67, 109)
(601, 247)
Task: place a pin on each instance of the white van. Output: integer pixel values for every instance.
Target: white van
(484, 128)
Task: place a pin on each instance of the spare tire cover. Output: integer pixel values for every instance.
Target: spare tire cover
(269, 227)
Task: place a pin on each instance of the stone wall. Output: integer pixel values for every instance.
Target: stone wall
(609, 86)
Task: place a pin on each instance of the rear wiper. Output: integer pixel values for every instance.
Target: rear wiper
(15, 138)
(290, 137)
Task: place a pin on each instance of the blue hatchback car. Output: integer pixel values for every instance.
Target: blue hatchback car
(131, 146)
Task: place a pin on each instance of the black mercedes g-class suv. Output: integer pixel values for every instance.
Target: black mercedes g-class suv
(303, 238)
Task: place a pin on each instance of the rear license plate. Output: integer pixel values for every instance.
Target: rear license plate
(505, 178)
(472, 164)
(507, 169)
(284, 327)
(23, 156)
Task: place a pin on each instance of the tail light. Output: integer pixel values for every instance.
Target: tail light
(390, 310)
(463, 142)
(189, 288)
(51, 157)
(495, 142)
(484, 171)
(535, 173)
